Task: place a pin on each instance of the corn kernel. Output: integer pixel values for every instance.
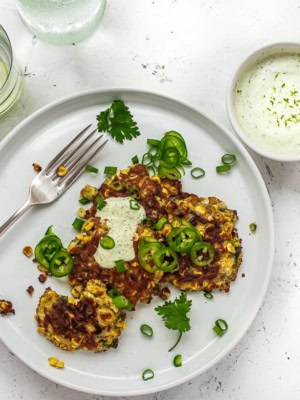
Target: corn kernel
(27, 250)
(81, 212)
(41, 268)
(230, 248)
(55, 362)
(89, 192)
(88, 226)
(62, 170)
(156, 178)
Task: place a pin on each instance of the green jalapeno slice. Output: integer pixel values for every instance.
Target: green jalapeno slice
(166, 259)
(145, 255)
(182, 239)
(46, 248)
(61, 264)
(202, 254)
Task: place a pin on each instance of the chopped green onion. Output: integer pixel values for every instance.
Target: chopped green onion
(147, 159)
(177, 362)
(100, 203)
(208, 295)
(78, 223)
(223, 168)
(109, 171)
(90, 168)
(228, 159)
(160, 224)
(197, 173)
(180, 167)
(146, 330)
(107, 242)
(113, 293)
(147, 374)
(220, 327)
(135, 192)
(84, 201)
(120, 265)
(153, 142)
(134, 205)
(135, 160)
(253, 227)
(121, 302)
(186, 162)
(151, 169)
(148, 222)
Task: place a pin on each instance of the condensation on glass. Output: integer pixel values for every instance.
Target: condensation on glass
(61, 21)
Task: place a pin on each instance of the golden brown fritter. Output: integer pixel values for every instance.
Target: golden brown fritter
(160, 198)
(91, 322)
(136, 284)
(216, 224)
(151, 192)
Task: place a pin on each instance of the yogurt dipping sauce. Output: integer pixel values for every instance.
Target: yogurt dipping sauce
(266, 101)
(122, 221)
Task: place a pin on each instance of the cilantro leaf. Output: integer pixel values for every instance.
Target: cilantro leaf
(118, 121)
(174, 315)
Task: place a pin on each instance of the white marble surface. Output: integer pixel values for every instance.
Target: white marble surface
(188, 49)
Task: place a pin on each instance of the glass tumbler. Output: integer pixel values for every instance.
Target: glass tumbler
(10, 75)
(61, 21)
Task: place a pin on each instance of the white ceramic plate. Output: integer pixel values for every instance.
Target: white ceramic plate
(118, 372)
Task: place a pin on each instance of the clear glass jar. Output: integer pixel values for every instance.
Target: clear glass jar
(61, 21)
(10, 75)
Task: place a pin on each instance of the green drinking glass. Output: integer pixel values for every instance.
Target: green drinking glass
(10, 75)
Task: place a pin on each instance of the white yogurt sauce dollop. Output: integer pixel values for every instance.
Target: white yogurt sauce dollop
(267, 103)
(122, 221)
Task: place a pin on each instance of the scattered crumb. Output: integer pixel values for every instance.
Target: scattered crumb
(55, 362)
(6, 307)
(243, 275)
(43, 269)
(164, 293)
(30, 290)
(27, 250)
(42, 278)
(37, 167)
(62, 170)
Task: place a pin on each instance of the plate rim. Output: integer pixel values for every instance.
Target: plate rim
(267, 201)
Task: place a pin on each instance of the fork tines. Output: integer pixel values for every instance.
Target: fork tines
(75, 156)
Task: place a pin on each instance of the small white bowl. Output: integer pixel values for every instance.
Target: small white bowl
(251, 60)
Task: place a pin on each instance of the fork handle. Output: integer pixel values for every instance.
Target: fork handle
(15, 217)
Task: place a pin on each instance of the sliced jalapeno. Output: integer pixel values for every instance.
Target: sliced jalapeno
(166, 259)
(174, 139)
(182, 239)
(61, 264)
(145, 254)
(202, 254)
(170, 157)
(170, 173)
(46, 249)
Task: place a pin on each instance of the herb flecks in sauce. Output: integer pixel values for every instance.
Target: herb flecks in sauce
(267, 102)
(122, 222)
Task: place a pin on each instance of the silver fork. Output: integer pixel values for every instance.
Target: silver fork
(47, 186)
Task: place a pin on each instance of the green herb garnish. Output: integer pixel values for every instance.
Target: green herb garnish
(118, 121)
(174, 315)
